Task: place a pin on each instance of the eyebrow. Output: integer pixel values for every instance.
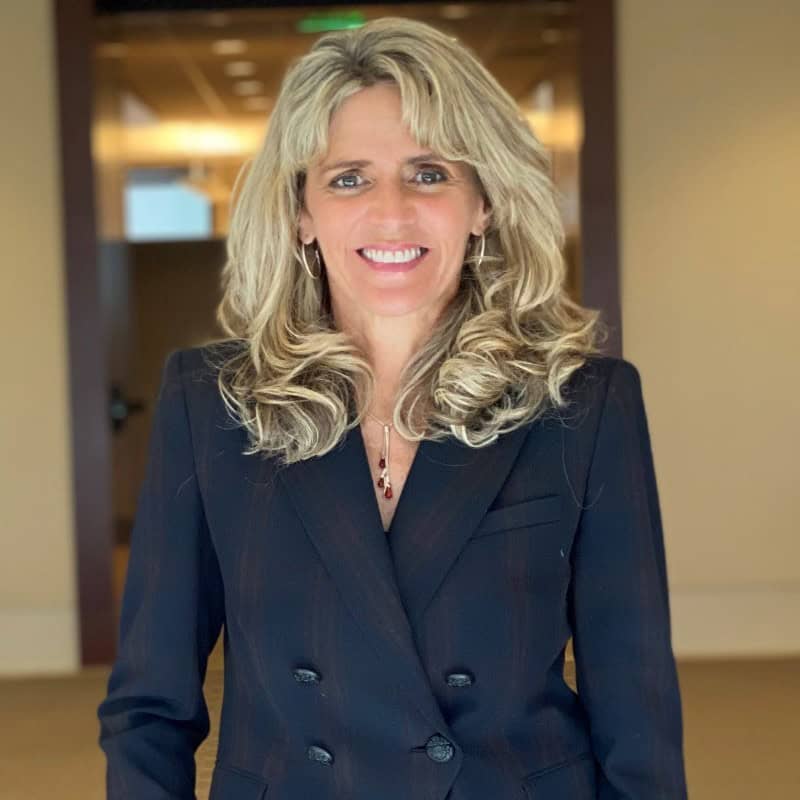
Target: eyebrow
(362, 163)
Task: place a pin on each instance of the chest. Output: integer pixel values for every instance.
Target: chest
(401, 458)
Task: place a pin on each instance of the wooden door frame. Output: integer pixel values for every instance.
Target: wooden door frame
(599, 201)
(90, 430)
(88, 391)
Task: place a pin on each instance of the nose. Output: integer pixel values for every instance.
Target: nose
(392, 204)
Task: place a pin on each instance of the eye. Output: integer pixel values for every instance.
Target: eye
(335, 182)
(438, 172)
(442, 178)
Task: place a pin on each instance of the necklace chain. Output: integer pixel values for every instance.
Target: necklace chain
(385, 424)
(384, 480)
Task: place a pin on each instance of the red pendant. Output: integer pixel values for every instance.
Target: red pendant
(385, 482)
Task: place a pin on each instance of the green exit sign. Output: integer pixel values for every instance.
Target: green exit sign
(331, 21)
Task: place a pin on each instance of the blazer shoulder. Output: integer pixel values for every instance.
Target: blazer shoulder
(600, 369)
(203, 362)
(587, 389)
(603, 366)
(593, 375)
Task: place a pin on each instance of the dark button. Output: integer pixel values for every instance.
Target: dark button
(320, 754)
(304, 675)
(439, 749)
(459, 679)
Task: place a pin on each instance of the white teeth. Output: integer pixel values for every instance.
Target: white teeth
(393, 256)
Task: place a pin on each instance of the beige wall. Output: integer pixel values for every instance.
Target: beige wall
(37, 585)
(709, 123)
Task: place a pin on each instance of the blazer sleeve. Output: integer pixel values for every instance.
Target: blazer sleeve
(154, 716)
(619, 609)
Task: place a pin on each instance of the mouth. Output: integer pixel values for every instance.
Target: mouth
(384, 260)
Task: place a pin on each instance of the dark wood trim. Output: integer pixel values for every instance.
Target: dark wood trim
(598, 167)
(160, 6)
(88, 395)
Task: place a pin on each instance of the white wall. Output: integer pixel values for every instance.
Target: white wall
(38, 630)
(709, 124)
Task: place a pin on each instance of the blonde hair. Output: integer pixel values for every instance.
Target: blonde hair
(505, 345)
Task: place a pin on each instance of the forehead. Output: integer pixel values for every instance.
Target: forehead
(382, 99)
(368, 127)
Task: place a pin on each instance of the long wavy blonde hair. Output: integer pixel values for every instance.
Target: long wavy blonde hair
(508, 341)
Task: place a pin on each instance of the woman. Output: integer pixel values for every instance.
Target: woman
(404, 480)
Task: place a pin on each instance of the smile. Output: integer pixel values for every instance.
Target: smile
(393, 256)
(393, 260)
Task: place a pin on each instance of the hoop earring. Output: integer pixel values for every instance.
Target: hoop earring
(305, 263)
(483, 249)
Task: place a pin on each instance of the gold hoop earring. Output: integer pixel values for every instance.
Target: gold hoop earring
(305, 263)
(483, 248)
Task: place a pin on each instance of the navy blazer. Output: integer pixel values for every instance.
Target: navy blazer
(426, 664)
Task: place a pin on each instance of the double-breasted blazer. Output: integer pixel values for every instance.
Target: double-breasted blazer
(422, 664)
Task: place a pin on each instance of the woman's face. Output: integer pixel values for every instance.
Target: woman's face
(394, 199)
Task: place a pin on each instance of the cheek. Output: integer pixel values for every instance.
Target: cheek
(337, 224)
(449, 220)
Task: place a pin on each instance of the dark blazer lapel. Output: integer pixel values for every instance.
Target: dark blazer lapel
(334, 497)
(448, 490)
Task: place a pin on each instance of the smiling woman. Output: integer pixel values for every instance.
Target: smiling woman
(395, 254)
(403, 217)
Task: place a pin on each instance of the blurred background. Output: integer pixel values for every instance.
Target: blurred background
(675, 135)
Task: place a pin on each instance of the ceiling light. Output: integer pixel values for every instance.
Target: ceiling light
(454, 11)
(229, 47)
(259, 103)
(248, 87)
(240, 69)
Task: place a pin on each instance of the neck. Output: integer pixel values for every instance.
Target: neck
(388, 343)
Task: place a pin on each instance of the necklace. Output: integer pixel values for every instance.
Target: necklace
(384, 481)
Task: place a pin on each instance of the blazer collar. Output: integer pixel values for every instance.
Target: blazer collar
(388, 580)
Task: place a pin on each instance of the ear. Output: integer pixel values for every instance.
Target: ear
(481, 218)
(306, 227)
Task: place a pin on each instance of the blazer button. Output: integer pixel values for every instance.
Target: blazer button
(439, 749)
(459, 679)
(303, 675)
(320, 754)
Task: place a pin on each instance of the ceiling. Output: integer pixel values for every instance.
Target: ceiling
(165, 95)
